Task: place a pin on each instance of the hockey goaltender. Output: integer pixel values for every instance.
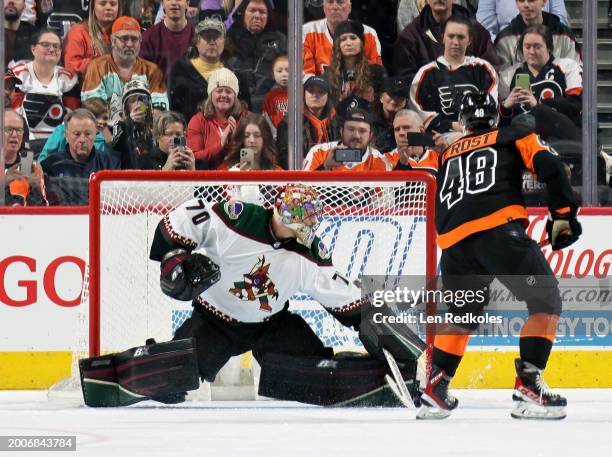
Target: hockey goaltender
(249, 261)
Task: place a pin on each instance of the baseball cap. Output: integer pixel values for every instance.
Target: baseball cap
(125, 23)
(210, 23)
(350, 103)
(319, 81)
(358, 114)
(395, 87)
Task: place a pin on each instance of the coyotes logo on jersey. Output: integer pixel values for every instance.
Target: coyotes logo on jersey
(257, 285)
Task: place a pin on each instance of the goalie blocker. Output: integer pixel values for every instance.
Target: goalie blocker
(156, 371)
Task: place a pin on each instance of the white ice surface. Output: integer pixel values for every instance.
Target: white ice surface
(481, 427)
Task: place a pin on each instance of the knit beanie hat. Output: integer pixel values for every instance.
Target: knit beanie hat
(349, 27)
(222, 78)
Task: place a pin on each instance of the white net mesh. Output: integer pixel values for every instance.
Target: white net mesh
(374, 228)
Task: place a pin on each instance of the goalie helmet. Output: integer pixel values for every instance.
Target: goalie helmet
(298, 208)
(478, 111)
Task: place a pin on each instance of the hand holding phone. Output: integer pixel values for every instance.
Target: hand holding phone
(348, 155)
(247, 158)
(522, 81)
(421, 139)
(179, 142)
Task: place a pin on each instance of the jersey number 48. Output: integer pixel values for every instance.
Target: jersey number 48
(470, 174)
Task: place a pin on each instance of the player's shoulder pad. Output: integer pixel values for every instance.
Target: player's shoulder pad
(234, 210)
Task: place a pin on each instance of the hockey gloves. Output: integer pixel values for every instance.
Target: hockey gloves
(563, 230)
(185, 276)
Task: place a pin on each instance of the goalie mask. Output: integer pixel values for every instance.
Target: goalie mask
(298, 208)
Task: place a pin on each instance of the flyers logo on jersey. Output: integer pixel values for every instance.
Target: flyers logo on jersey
(450, 96)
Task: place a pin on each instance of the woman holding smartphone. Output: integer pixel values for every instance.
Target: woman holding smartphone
(170, 152)
(548, 88)
(253, 147)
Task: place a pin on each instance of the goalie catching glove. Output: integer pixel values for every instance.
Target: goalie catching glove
(185, 276)
(563, 230)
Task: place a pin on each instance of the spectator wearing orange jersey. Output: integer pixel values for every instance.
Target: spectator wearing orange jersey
(410, 157)
(276, 101)
(92, 38)
(350, 72)
(356, 136)
(318, 37)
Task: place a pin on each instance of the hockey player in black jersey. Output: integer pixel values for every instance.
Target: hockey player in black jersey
(481, 219)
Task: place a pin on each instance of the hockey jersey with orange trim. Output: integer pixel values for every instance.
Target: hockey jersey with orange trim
(102, 80)
(44, 106)
(559, 84)
(276, 104)
(318, 46)
(479, 184)
(437, 90)
(427, 162)
(372, 160)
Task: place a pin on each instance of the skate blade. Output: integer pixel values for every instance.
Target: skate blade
(532, 411)
(397, 383)
(432, 413)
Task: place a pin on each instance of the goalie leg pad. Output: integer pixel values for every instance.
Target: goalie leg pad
(157, 371)
(342, 381)
(376, 333)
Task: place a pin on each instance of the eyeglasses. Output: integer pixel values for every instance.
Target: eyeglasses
(47, 45)
(339, 2)
(125, 39)
(11, 130)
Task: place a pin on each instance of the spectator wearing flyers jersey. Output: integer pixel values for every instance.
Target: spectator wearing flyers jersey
(318, 37)
(421, 42)
(276, 101)
(438, 87)
(531, 13)
(91, 38)
(407, 156)
(47, 91)
(554, 93)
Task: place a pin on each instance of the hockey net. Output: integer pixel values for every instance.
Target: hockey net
(373, 224)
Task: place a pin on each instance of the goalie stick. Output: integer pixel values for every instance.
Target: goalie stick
(396, 382)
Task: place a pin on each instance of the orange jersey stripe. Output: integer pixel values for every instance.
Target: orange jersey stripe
(500, 217)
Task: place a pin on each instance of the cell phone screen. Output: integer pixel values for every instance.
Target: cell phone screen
(522, 81)
(420, 139)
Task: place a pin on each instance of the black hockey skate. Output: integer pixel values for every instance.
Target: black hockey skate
(534, 398)
(437, 402)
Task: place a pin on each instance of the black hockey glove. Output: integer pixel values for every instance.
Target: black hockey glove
(563, 230)
(184, 276)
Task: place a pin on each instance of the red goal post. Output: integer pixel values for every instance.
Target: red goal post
(392, 212)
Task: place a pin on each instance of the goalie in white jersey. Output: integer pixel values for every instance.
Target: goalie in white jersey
(240, 263)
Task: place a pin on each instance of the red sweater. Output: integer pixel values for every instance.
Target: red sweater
(204, 138)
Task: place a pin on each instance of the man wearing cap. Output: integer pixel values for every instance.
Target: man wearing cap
(165, 42)
(107, 75)
(318, 38)
(353, 152)
(393, 97)
(188, 80)
(17, 33)
(10, 81)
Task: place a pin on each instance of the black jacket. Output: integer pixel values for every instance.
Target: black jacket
(67, 181)
(187, 89)
(252, 57)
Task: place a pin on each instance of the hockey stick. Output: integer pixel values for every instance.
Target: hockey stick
(397, 383)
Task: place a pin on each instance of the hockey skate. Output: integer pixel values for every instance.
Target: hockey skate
(534, 398)
(436, 400)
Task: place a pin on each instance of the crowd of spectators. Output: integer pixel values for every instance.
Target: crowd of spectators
(202, 84)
